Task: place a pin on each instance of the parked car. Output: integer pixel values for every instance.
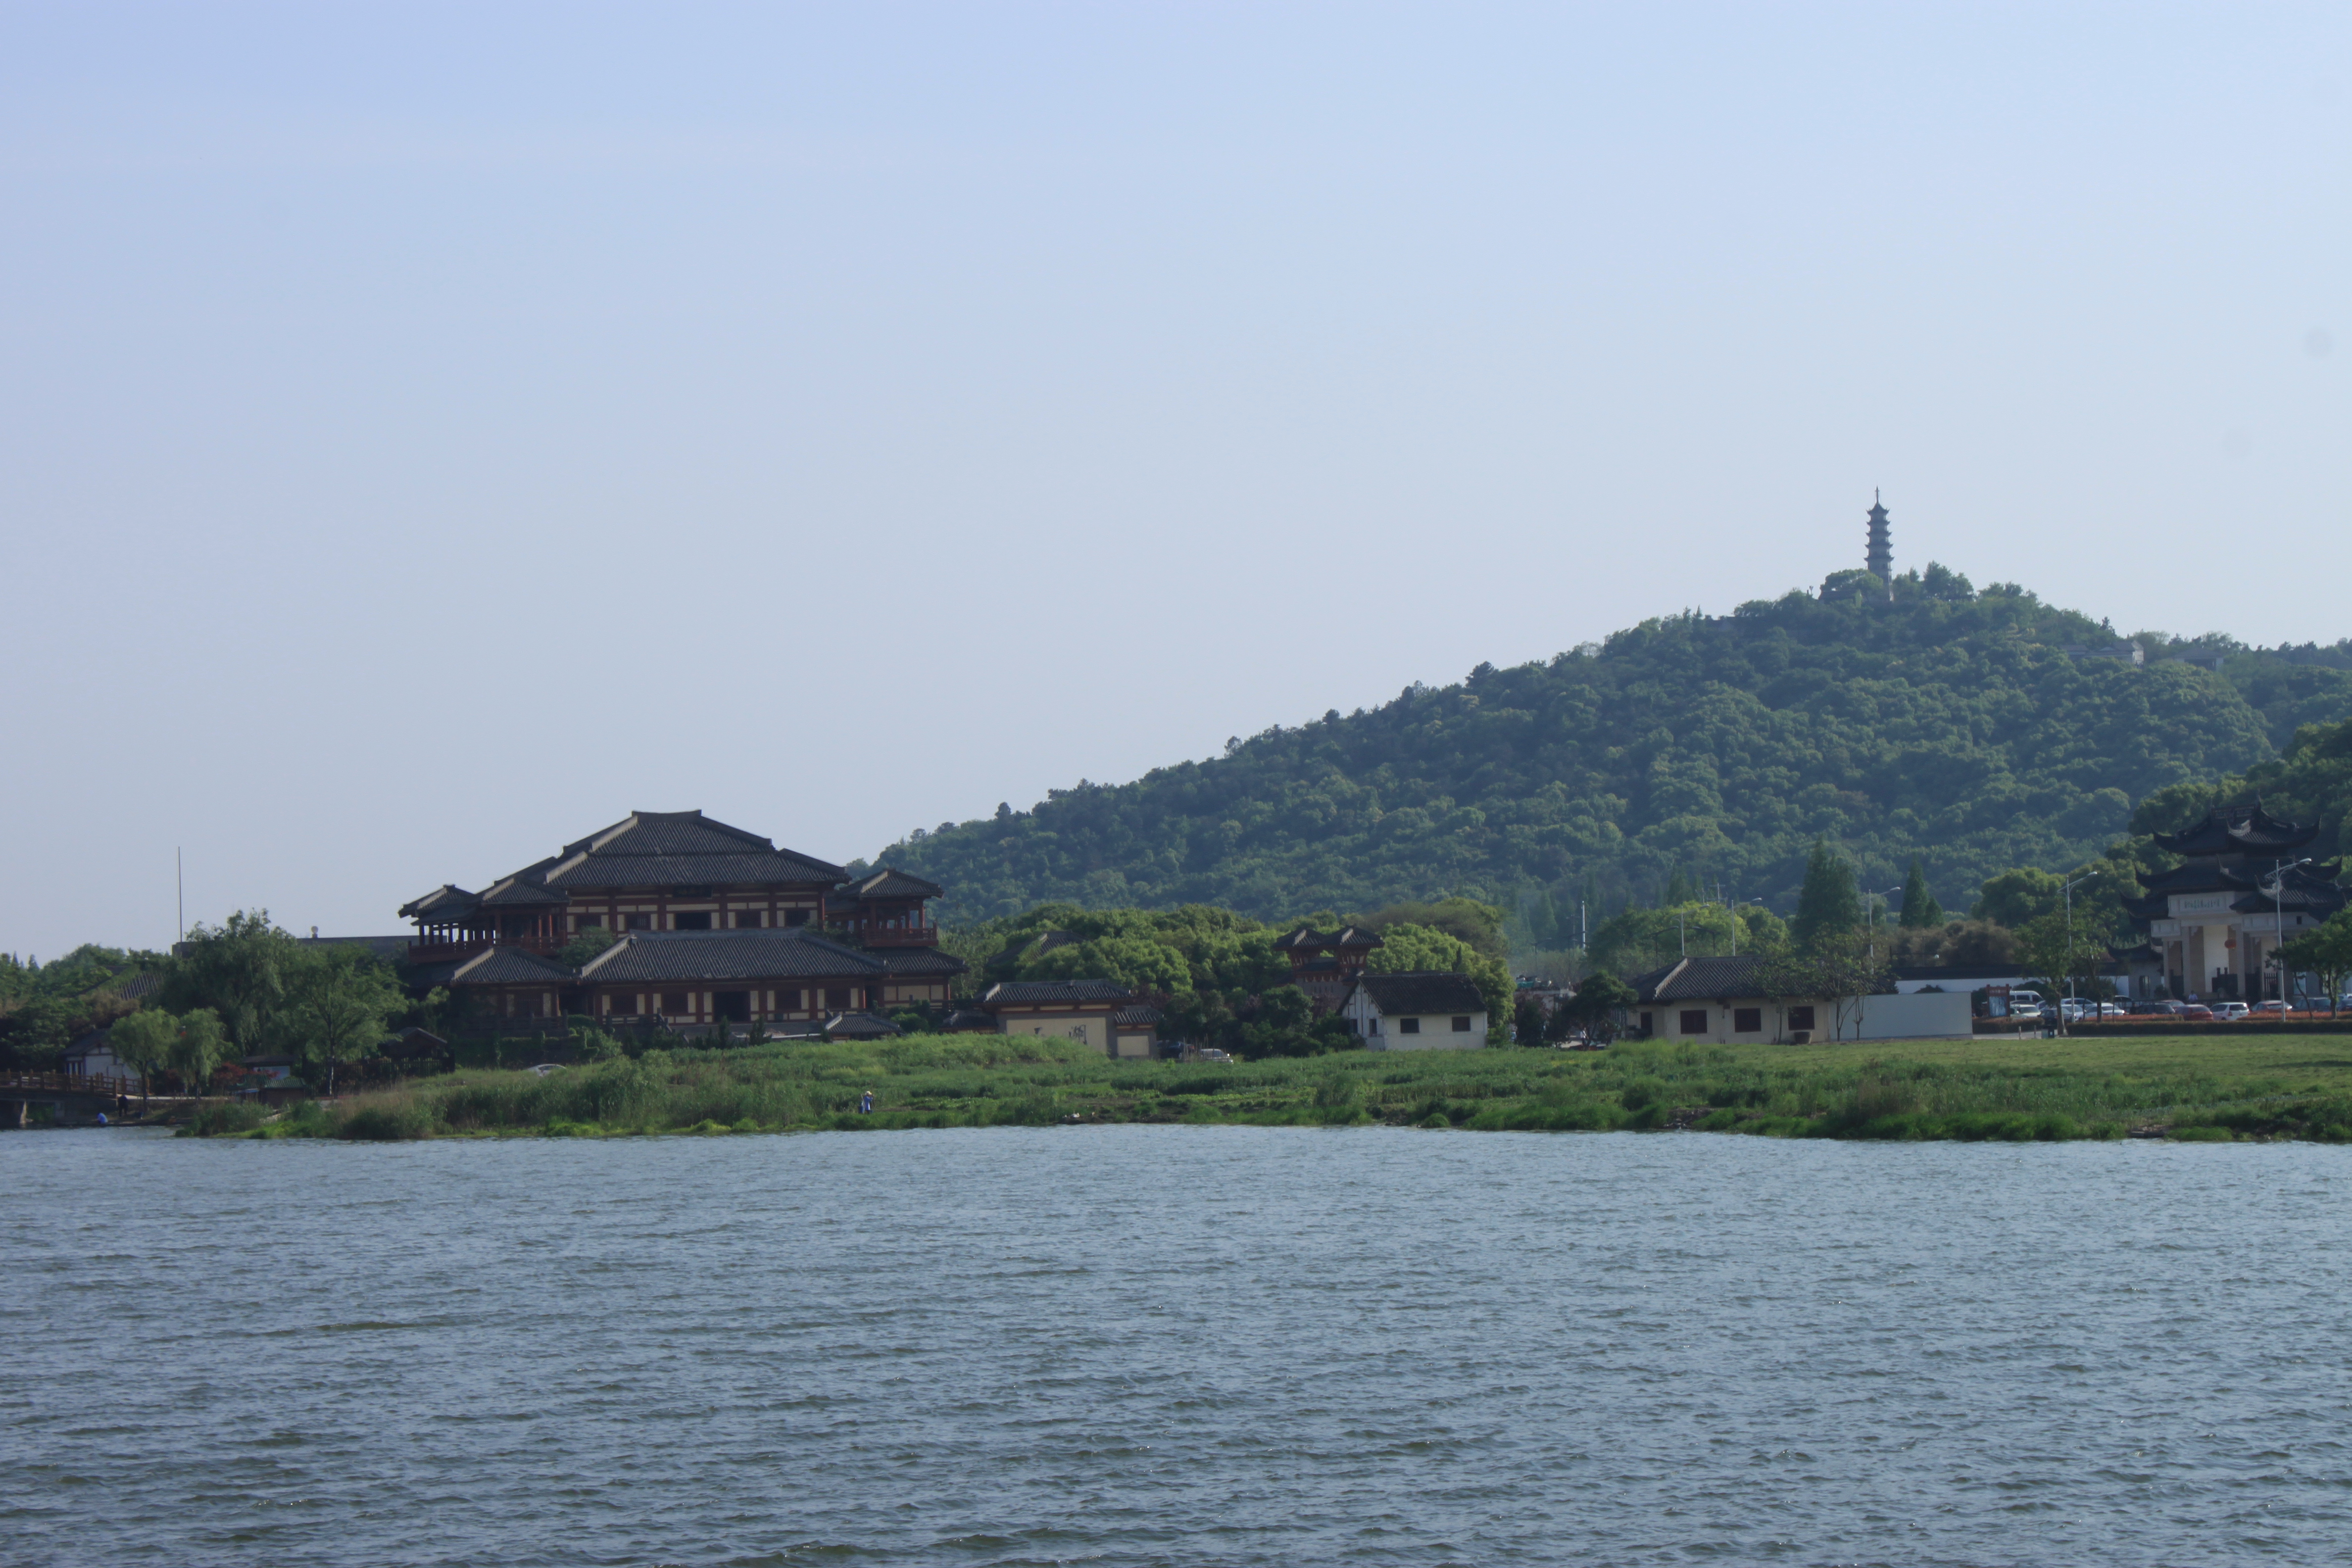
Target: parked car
(2162, 1006)
(2196, 1013)
(2231, 1012)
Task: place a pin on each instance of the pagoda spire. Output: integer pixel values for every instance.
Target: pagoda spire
(1880, 556)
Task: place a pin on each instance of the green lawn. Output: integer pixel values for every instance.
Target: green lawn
(2210, 1085)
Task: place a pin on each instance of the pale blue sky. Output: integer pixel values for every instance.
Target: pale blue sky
(430, 432)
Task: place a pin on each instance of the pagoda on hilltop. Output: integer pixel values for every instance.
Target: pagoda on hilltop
(2214, 923)
(1878, 557)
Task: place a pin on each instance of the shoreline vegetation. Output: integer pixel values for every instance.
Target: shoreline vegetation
(2190, 1089)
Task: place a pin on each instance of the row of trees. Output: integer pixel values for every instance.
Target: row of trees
(1217, 975)
(45, 1006)
(246, 988)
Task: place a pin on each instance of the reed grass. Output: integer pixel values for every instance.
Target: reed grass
(2006, 1090)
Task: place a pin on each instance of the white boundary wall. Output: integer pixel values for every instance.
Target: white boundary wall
(1929, 1016)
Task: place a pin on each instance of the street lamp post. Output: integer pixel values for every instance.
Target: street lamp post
(1735, 906)
(2279, 869)
(2069, 891)
(1870, 913)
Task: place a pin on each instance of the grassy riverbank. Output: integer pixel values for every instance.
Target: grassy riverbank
(2203, 1086)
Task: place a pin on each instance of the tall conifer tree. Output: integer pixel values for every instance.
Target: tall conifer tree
(1828, 906)
(1919, 906)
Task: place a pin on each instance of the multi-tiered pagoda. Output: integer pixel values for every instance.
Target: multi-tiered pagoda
(2215, 922)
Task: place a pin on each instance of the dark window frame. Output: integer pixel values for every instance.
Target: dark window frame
(1747, 1020)
(1461, 1022)
(1683, 1024)
(1408, 1025)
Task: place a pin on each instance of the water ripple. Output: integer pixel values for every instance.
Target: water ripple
(1137, 1345)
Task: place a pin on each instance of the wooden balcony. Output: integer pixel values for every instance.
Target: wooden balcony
(466, 947)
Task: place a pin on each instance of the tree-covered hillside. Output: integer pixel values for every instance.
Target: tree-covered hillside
(1947, 724)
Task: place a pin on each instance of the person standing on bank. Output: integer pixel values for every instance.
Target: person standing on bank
(866, 1103)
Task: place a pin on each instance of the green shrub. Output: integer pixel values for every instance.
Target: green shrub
(228, 1119)
(387, 1120)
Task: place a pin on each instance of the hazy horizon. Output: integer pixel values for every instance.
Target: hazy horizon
(433, 433)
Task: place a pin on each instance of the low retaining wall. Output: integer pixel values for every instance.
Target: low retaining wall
(2132, 1027)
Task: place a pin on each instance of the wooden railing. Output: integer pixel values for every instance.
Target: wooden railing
(443, 951)
(66, 1083)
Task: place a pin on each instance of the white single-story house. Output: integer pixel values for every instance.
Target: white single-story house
(1722, 1001)
(1417, 1010)
(93, 1056)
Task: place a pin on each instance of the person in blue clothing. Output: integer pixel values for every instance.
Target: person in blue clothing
(866, 1103)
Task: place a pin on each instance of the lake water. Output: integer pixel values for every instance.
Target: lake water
(1172, 1345)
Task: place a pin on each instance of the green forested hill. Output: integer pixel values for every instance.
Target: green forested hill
(1947, 724)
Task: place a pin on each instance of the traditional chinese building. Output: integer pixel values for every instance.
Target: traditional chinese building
(1324, 965)
(712, 924)
(1102, 1014)
(2215, 922)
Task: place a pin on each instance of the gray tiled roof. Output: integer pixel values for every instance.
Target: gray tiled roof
(1702, 980)
(519, 889)
(682, 849)
(2296, 894)
(667, 832)
(91, 1045)
(447, 899)
(644, 850)
(507, 967)
(2238, 830)
(1307, 939)
(1423, 991)
(1137, 1015)
(921, 961)
(1020, 993)
(859, 1026)
(642, 957)
(889, 882)
(689, 871)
